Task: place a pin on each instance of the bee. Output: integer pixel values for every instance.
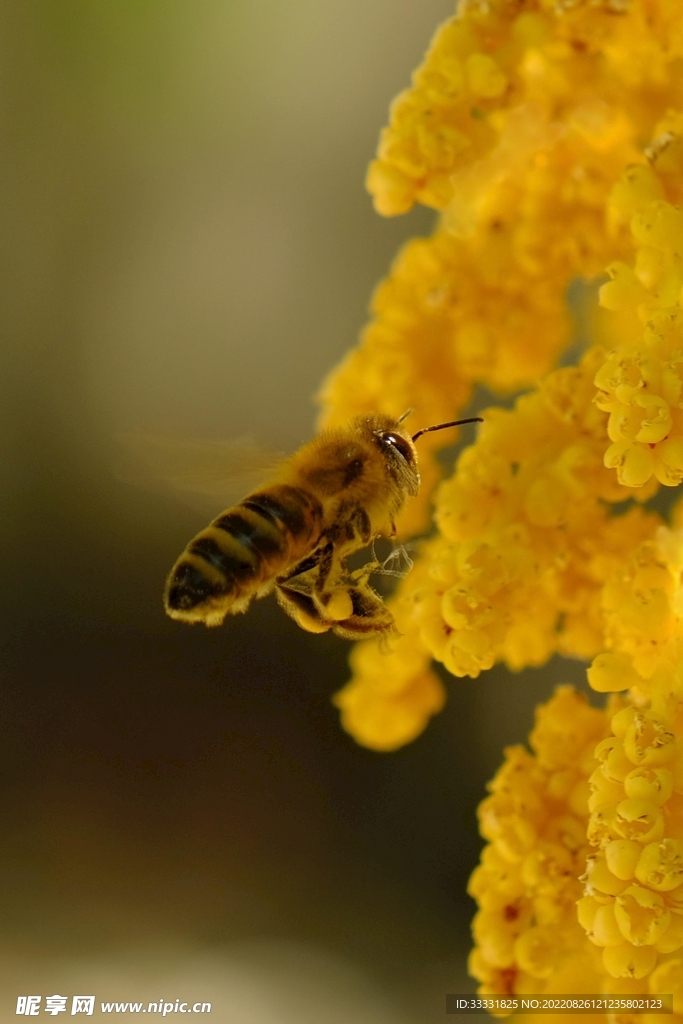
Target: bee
(333, 497)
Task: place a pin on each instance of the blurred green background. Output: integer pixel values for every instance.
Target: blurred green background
(188, 249)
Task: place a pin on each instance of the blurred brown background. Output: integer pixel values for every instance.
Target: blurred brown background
(188, 248)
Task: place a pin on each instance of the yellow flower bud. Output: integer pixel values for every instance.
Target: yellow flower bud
(546, 867)
(633, 462)
(624, 421)
(610, 673)
(605, 931)
(512, 835)
(622, 856)
(613, 761)
(622, 721)
(671, 385)
(638, 185)
(495, 874)
(598, 876)
(649, 740)
(602, 824)
(629, 961)
(661, 865)
(656, 423)
(393, 191)
(672, 939)
(655, 784)
(495, 941)
(608, 379)
(641, 915)
(454, 608)
(659, 224)
(546, 502)
(484, 77)
(669, 462)
(603, 790)
(561, 784)
(651, 264)
(531, 29)
(435, 633)
(547, 910)
(578, 798)
(639, 820)
(624, 290)
(586, 910)
(472, 642)
(536, 951)
(667, 979)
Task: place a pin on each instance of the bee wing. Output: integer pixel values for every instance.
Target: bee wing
(208, 476)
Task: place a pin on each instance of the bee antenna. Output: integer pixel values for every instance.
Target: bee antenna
(405, 416)
(441, 426)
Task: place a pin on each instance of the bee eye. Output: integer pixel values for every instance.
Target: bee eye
(400, 444)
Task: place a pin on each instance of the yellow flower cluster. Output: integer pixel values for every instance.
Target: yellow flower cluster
(517, 125)
(556, 916)
(528, 938)
(642, 604)
(577, 63)
(641, 380)
(450, 313)
(391, 699)
(633, 905)
(549, 136)
(526, 539)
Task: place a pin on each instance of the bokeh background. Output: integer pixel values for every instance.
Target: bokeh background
(188, 249)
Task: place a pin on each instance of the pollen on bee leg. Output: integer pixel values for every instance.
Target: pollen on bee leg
(339, 606)
(308, 622)
(303, 610)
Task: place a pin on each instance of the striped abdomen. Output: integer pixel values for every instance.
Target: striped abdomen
(241, 552)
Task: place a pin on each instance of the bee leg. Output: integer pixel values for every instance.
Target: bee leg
(311, 575)
(354, 612)
(326, 586)
(370, 616)
(352, 525)
(302, 608)
(360, 521)
(316, 591)
(295, 593)
(320, 583)
(331, 591)
(331, 585)
(324, 566)
(303, 568)
(349, 606)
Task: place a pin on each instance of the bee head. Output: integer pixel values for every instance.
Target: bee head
(401, 443)
(398, 451)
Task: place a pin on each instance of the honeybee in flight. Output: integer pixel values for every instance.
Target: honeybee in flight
(333, 497)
